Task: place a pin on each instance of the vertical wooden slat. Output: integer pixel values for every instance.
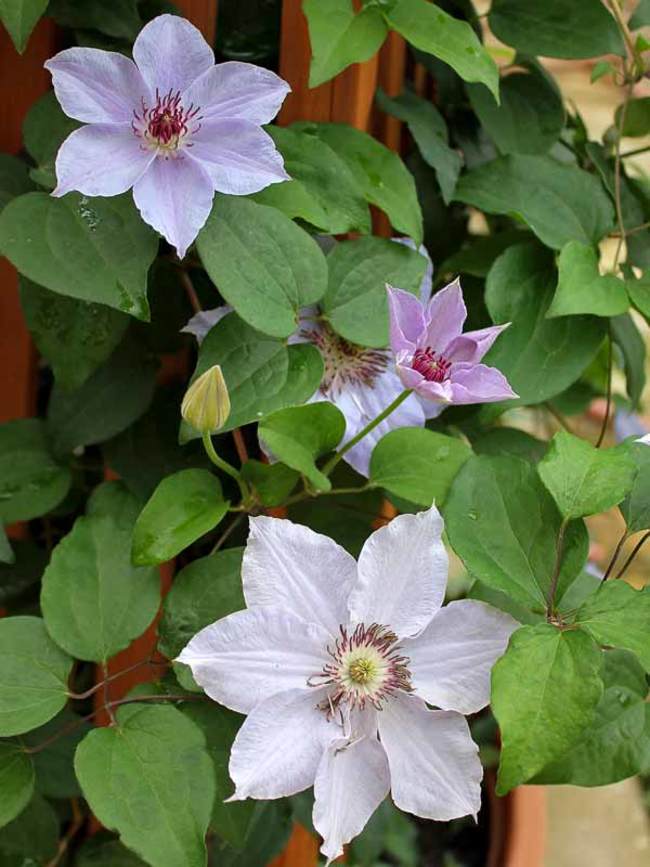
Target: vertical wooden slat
(354, 93)
(203, 14)
(392, 69)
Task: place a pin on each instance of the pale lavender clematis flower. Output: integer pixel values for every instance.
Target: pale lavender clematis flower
(434, 357)
(335, 662)
(172, 125)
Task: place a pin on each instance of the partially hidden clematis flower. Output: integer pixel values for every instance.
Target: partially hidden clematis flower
(335, 663)
(432, 355)
(171, 125)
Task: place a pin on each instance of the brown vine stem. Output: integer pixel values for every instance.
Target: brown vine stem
(559, 418)
(617, 551)
(617, 176)
(80, 696)
(608, 405)
(559, 552)
(633, 554)
(190, 291)
(227, 532)
(76, 825)
(622, 26)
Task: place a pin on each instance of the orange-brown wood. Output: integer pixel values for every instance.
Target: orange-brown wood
(354, 93)
(392, 69)
(203, 14)
(301, 851)
(526, 827)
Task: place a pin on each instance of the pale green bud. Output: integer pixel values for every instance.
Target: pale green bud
(206, 405)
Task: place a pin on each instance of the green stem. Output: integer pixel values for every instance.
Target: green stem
(224, 465)
(305, 495)
(329, 466)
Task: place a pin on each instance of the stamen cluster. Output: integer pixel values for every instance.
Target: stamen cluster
(433, 366)
(345, 363)
(167, 123)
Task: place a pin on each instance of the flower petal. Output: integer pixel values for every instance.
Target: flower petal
(290, 565)
(100, 160)
(204, 321)
(446, 314)
(477, 383)
(171, 53)
(361, 403)
(351, 782)
(239, 156)
(278, 748)
(249, 656)
(175, 197)
(407, 324)
(402, 574)
(435, 770)
(97, 86)
(238, 90)
(472, 345)
(451, 661)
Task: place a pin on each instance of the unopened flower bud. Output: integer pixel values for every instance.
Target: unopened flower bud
(206, 405)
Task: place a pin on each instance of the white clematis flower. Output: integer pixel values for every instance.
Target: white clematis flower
(335, 662)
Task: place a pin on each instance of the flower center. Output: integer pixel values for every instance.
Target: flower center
(167, 125)
(433, 366)
(367, 666)
(345, 363)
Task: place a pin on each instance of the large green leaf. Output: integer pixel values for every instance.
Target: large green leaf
(204, 591)
(340, 36)
(262, 374)
(33, 675)
(55, 777)
(272, 482)
(427, 27)
(582, 289)
(98, 852)
(31, 481)
(428, 128)
(618, 615)
(150, 779)
(380, 173)
(183, 508)
(20, 17)
(119, 18)
(93, 249)
(14, 179)
(559, 202)
(584, 480)
(32, 837)
(74, 336)
(16, 780)
(322, 191)
(355, 302)
(641, 17)
(539, 357)
(44, 129)
(263, 264)
(617, 743)
(556, 28)
(544, 693)
(504, 526)
(630, 341)
(417, 464)
(94, 601)
(636, 505)
(637, 117)
(301, 434)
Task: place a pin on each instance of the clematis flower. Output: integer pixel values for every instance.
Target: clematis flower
(335, 663)
(171, 125)
(434, 357)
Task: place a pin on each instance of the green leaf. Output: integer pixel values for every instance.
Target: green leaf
(355, 302)
(601, 68)
(94, 601)
(93, 249)
(75, 337)
(430, 29)
(183, 508)
(509, 442)
(263, 264)
(301, 434)
(109, 401)
(340, 36)
(32, 483)
(637, 117)
(504, 526)
(629, 340)
(262, 374)
(417, 464)
(322, 191)
(55, 777)
(641, 16)
(479, 253)
(639, 292)
(539, 357)
(16, 780)
(34, 675)
(273, 482)
(33, 836)
(559, 202)
(635, 508)
(380, 173)
(556, 28)
(44, 129)
(7, 555)
(581, 289)
(14, 178)
(20, 17)
(428, 128)
(267, 835)
(96, 852)
(150, 779)
(483, 593)
(618, 615)
(119, 18)
(544, 693)
(617, 743)
(529, 119)
(584, 480)
(204, 591)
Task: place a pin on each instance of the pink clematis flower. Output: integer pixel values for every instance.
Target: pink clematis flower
(172, 125)
(335, 662)
(432, 355)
